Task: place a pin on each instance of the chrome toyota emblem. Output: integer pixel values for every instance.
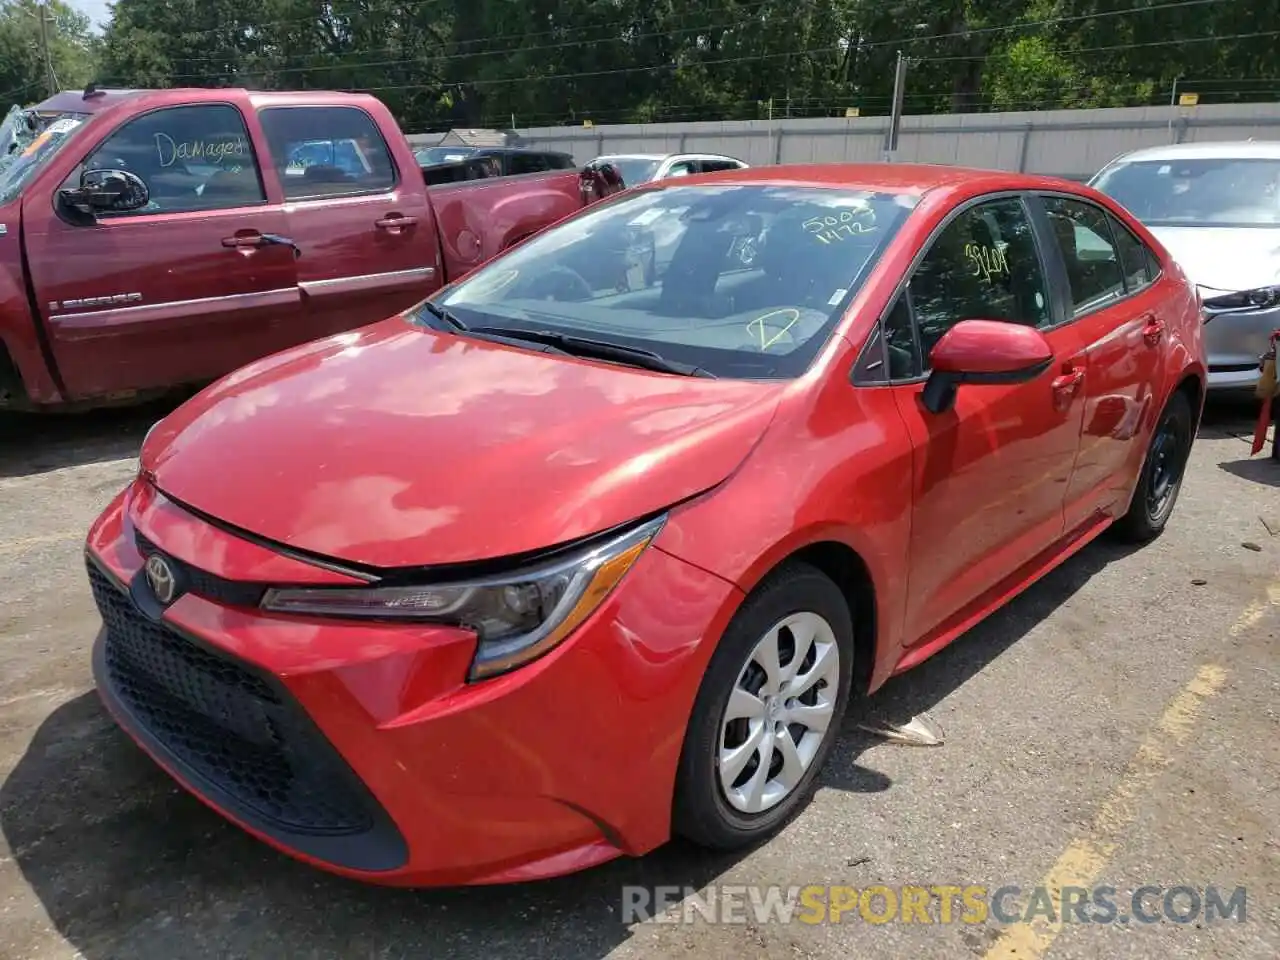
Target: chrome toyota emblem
(160, 578)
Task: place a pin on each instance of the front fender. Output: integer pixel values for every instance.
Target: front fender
(27, 379)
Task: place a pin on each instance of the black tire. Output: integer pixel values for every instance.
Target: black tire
(1157, 491)
(701, 812)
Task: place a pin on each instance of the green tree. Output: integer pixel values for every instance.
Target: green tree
(72, 49)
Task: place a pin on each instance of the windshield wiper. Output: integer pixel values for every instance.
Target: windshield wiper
(444, 315)
(598, 349)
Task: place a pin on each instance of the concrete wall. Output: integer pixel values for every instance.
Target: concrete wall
(1070, 143)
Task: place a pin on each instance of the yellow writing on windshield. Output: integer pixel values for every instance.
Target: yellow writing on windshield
(789, 316)
(987, 262)
(170, 151)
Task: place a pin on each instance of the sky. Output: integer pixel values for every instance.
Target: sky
(95, 10)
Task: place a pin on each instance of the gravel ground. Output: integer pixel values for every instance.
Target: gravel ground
(1116, 725)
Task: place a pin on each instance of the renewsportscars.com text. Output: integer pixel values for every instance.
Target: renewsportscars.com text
(936, 903)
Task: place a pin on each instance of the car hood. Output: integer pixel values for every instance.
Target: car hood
(400, 446)
(1225, 258)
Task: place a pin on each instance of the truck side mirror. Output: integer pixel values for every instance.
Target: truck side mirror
(117, 191)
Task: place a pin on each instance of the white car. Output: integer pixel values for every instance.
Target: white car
(1216, 208)
(642, 167)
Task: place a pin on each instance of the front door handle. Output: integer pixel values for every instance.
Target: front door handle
(1152, 330)
(1066, 386)
(393, 221)
(252, 240)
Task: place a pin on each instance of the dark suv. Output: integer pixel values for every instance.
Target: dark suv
(511, 160)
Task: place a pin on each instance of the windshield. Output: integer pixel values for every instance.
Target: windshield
(28, 142)
(739, 280)
(443, 154)
(635, 169)
(1209, 192)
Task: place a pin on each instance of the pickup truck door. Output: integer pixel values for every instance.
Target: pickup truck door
(359, 211)
(188, 288)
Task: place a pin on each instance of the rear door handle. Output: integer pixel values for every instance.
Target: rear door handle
(394, 221)
(1152, 330)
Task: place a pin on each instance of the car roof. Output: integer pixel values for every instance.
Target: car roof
(911, 178)
(1228, 149)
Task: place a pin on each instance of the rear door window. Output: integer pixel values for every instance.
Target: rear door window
(1088, 251)
(327, 151)
(1134, 256)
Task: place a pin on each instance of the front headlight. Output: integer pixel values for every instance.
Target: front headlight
(517, 617)
(1258, 299)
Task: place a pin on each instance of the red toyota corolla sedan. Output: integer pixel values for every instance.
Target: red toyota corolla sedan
(595, 546)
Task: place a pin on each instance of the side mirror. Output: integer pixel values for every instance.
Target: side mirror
(983, 351)
(117, 191)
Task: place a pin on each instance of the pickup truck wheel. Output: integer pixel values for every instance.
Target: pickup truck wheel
(1162, 470)
(768, 711)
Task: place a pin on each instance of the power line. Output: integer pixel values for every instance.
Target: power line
(570, 44)
(622, 21)
(17, 90)
(799, 53)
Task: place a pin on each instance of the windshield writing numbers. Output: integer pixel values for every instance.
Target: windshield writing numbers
(170, 151)
(832, 229)
(987, 262)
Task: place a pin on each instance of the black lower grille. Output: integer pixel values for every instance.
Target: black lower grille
(229, 729)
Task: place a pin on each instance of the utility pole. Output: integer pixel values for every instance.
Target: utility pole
(895, 116)
(44, 48)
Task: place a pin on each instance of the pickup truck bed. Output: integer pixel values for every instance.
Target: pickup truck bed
(152, 239)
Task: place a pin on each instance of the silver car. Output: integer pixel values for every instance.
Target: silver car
(1216, 208)
(645, 167)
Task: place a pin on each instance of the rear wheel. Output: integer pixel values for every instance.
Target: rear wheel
(768, 711)
(1162, 472)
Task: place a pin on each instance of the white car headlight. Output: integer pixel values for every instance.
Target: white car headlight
(517, 617)
(1260, 298)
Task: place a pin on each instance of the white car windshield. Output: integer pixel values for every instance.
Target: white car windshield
(635, 170)
(741, 281)
(28, 141)
(1208, 191)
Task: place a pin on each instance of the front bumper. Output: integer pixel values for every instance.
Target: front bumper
(1233, 343)
(361, 748)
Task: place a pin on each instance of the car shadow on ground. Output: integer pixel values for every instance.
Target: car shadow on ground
(1260, 468)
(32, 443)
(126, 865)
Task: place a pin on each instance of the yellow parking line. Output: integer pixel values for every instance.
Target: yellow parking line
(22, 544)
(1087, 855)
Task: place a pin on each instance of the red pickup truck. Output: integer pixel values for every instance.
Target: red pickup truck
(157, 238)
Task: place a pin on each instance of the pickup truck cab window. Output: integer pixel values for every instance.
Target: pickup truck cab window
(327, 151)
(195, 157)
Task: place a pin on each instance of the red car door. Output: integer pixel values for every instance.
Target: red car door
(369, 244)
(990, 474)
(185, 289)
(1121, 315)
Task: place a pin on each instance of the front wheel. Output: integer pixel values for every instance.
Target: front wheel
(1162, 472)
(768, 711)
